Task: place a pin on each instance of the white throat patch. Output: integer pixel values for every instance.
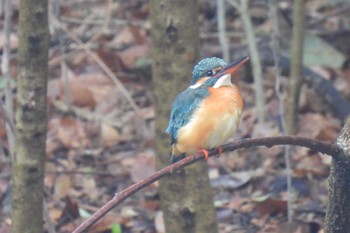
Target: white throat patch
(223, 81)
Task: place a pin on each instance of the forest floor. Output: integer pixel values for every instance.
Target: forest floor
(100, 141)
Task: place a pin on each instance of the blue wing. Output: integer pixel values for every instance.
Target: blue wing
(183, 107)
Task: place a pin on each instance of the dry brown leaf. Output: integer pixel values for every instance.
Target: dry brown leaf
(62, 186)
(138, 33)
(84, 90)
(98, 84)
(109, 135)
(71, 133)
(270, 206)
(311, 165)
(130, 55)
(90, 188)
(111, 59)
(130, 35)
(236, 202)
(70, 212)
(55, 214)
(78, 91)
(151, 204)
(317, 126)
(52, 142)
(295, 227)
(143, 166)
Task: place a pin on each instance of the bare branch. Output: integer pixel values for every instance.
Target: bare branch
(315, 145)
(275, 36)
(255, 58)
(220, 5)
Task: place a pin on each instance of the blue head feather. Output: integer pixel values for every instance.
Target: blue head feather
(207, 64)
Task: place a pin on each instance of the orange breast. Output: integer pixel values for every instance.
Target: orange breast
(215, 121)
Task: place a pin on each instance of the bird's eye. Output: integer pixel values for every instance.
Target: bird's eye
(209, 72)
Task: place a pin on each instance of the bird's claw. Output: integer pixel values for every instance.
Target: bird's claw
(219, 152)
(205, 153)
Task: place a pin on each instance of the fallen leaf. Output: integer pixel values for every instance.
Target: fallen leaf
(295, 227)
(315, 125)
(79, 92)
(90, 188)
(69, 213)
(109, 135)
(131, 55)
(232, 181)
(71, 133)
(111, 59)
(62, 186)
(267, 205)
(143, 166)
(130, 35)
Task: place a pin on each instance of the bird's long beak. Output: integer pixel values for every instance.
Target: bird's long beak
(232, 67)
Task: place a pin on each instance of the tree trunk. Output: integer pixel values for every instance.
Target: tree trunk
(296, 71)
(338, 209)
(186, 196)
(31, 123)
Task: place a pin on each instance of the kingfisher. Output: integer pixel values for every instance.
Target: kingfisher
(207, 113)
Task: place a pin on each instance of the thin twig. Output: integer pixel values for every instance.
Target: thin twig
(315, 145)
(255, 58)
(220, 5)
(273, 10)
(325, 16)
(215, 35)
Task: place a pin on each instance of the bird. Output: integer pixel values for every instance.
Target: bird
(207, 113)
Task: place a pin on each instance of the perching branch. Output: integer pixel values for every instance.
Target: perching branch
(322, 147)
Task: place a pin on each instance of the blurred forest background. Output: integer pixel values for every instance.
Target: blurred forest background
(101, 136)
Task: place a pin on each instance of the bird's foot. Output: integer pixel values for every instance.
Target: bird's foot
(205, 153)
(219, 152)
